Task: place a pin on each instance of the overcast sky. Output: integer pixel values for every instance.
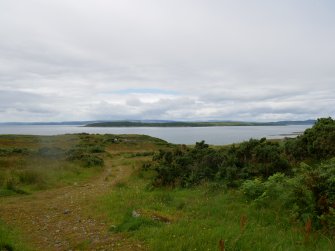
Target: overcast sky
(166, 59)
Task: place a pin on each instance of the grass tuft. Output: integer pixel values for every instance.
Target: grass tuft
(10, 240)
(132, 223)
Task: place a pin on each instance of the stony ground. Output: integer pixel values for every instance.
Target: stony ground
(62, 218)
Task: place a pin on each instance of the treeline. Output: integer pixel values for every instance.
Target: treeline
(300, 169)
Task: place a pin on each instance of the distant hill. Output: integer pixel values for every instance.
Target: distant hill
(298, 122)
(49, 123)
(79, 122)
(162, 123)
(194, 124)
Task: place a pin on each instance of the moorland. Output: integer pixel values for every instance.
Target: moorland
(135, 192)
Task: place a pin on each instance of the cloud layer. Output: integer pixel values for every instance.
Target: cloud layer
(166, 59)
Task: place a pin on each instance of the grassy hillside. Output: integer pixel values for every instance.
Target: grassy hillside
(147, 194)
(32, 163)
(258, 195)
(38, 174)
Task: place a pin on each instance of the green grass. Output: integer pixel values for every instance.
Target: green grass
(10, 239)
(198, 218)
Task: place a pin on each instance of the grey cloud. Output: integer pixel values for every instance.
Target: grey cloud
(225, 59)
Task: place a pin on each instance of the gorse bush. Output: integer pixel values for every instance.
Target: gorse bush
(308, 194)
(316, 142)
(268, 173)
(320, 181)
(253, 189)
(184, 166)
(190, 166)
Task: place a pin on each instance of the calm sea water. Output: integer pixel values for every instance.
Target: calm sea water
(219, 135)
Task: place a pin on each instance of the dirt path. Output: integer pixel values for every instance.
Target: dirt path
(60, 219)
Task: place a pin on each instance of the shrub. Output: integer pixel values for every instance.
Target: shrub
(86, 155)
(30, 177)
(75, 154)
(96, 149)
(253, 189)
(320, 182)
(88, 150)
(14, 150)
(187, 167)
(316, 142)
(309, 195)
(91, 161)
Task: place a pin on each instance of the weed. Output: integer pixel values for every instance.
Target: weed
(131, 223)
(121, 184)
(308, 229)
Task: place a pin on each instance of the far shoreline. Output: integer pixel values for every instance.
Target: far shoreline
(193, 124)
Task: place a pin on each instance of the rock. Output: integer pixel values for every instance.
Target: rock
(66, 211)
(135, 214)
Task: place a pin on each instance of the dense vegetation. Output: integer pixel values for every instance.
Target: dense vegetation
(297, 173)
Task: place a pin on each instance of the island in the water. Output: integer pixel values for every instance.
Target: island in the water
(158, 123)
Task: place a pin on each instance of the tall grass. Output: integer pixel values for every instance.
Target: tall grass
(10, 240)
(30, 163)
(203, 218)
